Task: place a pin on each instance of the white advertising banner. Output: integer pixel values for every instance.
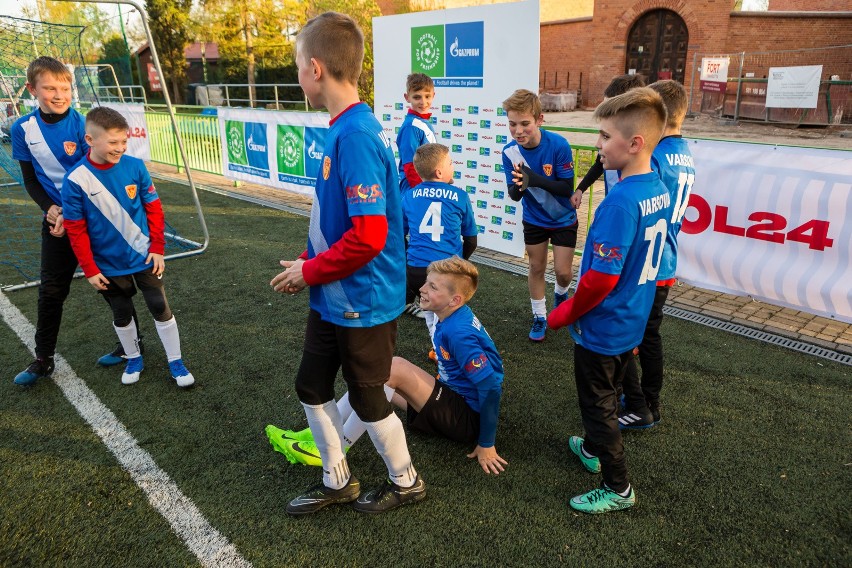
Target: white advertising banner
(273, 148)
(771, 222)
(793, 87)
(714, 74)
(476, 64)
(137, 131)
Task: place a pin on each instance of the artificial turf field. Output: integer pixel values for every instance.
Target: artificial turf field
(749, 467)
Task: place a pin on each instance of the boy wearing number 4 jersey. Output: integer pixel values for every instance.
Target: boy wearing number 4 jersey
(673, 163)
(618, 276)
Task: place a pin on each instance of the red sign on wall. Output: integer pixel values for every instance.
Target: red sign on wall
(154, 78)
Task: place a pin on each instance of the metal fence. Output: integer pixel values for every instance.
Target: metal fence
(745, 95)
(285, 96)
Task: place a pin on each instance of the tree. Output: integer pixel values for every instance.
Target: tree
(169, 21)
(82, 14)
(114, 52)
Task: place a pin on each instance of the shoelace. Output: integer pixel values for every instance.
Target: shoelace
(538, 324)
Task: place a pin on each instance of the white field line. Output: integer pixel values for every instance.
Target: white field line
(205, 542)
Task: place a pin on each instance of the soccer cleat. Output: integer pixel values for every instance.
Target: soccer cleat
(390, 496)
(413, 309)
(117, 355)
(180, 374)
(320, 496)
(132, 370)
(602, 500)
(629, 420)
(558, 299)
(433, 356)
(539, 326)
(303, 452)
(593, 465)
(278, 437)
(41, 367)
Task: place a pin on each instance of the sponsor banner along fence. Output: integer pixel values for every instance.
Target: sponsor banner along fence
(773, 223)
(277, 149)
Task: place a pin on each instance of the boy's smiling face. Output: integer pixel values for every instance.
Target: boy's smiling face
(53, 93)
(107, 145)
(524, 128)
(420, 101)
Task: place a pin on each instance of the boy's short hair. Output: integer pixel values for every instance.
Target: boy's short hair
(41, 65)
(464, 274)
(106, 118)
(622, 84)
(419, 82)
(523, 101)
(638, 111)
(335, 40)
(426, 159)
(675, 99)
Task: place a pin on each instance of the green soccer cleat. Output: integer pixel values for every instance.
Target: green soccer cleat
(593, 465)
(279, 438)
(602, 500)
(303, 452)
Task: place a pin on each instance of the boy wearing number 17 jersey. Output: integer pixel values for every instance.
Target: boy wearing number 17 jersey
(438, 218)
(618, 275)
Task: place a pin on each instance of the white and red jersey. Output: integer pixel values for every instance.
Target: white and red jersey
(113, 216)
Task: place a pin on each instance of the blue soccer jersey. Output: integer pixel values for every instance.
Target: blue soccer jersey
(358, 177)
(52, 148)
(111, 200)
(437, 215)
(673, 162)
(467, 356)
(552, 158)
(414, 132)
(626, 238)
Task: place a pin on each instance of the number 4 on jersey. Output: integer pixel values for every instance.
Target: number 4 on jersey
(431, 223)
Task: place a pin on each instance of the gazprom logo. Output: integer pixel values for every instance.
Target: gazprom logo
(397, 106)
(455, 51)
(497, 193)
(446, 109)
(496, 220)
(456, 175)
(470, 189)
(457, 148)
(507, 235)
(501, 111)
(498, 168)
(251, 145)
(473, 110)
(485, 124)
(481, 204)
(472, 136)
(484, 151)
(458, 122)
(502, 138)
(471, 164)
(511, 209)
(385, 117)
(483, 179)
(445, 134)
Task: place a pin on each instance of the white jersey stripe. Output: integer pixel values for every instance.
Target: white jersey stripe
(40, 150)
(420, 125)
(111, 209)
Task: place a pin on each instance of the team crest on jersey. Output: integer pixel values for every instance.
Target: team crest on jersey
(444, 355)
(548, 169)
(326, 167)
(70, 147)
(476, 364)
(131, 190)
(607, 254)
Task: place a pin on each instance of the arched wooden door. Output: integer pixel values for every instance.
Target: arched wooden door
(656, 46)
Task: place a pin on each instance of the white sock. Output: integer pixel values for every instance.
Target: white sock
(353, 427)
(324, 422)
(170, 338)
(624, 493)
(389, 438)
(557, 289)
(129, 338)
(431, 322)
(539, 308)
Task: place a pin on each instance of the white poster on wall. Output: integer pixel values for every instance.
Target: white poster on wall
(273, 148)
(793, 87)
(137, 131)
(771, 222)
(476, 63)
(714, 74)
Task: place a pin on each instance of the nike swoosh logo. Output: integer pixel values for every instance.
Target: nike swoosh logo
(301, 501)
(94, 193)
(34, 143)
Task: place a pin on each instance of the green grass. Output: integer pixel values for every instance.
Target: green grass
(750, 465)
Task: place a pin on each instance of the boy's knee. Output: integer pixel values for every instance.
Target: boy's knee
(163, 316)
(123, 321)
(312, 391)
(369, 403)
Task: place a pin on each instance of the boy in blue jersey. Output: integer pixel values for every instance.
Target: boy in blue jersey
(116, 226)
(617, 86)
(539, 170)
(354, 265)
(415, 131)
(439, 220)
(47, 143)
(673, 162)
(471, 369)
(618, 274)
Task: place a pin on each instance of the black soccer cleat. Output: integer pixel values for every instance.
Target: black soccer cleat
(320, 496)
(390, 496)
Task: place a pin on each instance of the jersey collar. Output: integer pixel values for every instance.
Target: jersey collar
(425, 116)
(333, 120)
(97, 166)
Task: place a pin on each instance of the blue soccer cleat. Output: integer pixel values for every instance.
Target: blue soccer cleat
(41, 367)
(180, 374)
(539, 327)
(132, 370)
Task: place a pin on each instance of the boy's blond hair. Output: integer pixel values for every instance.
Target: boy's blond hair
(638, 111)
(675, 99)
(426, 159)
(41, 65)
(418, 82)
(106, 118)
(465, 276)
(524, 102)
(335, 40)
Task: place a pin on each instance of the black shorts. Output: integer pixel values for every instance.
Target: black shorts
(124, 285)
(560, 237)
(447, 414)
(365, 353)
(415, 278)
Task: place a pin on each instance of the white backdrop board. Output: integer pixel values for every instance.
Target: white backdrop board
(477, 57)
(137, 131)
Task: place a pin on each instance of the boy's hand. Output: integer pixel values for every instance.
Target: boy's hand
(58, 228)
(577, 199)
(52, 213)
(159, 263)
(291, 281)
(518, 176)
(99, 281)
(488, 459)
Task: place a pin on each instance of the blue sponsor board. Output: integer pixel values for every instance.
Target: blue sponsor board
(314, 144)
(249, 170)
(258, 158)
(465, 44)
(450, 82)
(287, 178)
